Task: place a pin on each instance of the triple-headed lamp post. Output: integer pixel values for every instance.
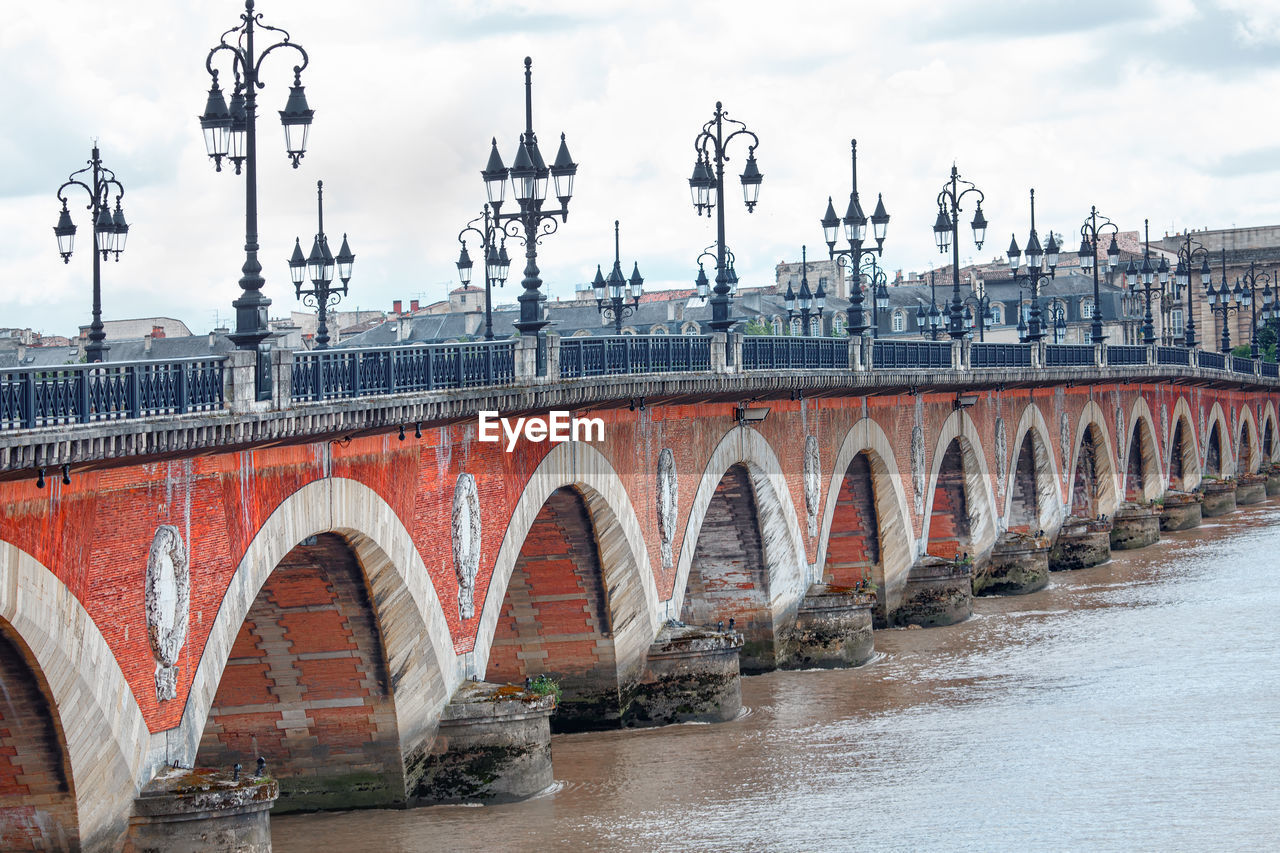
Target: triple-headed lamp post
(1038, 260)
(1150, 279)
(855, 231)
(809, 302)
(612, 293)
(109, 234)
(232, 133)
(946, 233)
(1090, 233)
(1188, 252)
(706, 187)
(320, 266)
(530, 223)
(493, 247)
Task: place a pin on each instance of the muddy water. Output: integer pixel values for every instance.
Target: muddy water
(1132, 706)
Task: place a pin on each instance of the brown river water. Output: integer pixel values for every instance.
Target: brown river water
(1131, 706)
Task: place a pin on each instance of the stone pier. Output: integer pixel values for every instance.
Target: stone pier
(1019, 565)
(203, 811)
(1219, 497)
(938, 592)
(1251, 489)
(832, 630)
(1181, 510)
(1135, 526)
(1272, 473)
(1081, 543)
(690, 675)
(493, 746)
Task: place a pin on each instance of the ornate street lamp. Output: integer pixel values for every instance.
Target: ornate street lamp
(1090, 233)
(1058, 318)
(946, 232)
(612, 293)
(1151, 279)
(982, 317)
(1188, 252)
(319, 267)
(877, 282)
(1224, 300)
(855, 231)
(1038, 259)
(1251, 294)
(232, 133)
(707, 189)
(109, 234)
(530, 223)
(493, 248)
(809, 302)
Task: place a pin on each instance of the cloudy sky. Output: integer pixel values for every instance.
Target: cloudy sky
(1146, 108)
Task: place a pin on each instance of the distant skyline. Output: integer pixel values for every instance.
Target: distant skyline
(1161, 109)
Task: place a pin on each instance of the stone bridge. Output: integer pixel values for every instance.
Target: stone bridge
(328, 582)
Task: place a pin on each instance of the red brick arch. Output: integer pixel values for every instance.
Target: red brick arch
(1032, 444)
(1142, 466)
(959, 508)
(1183, 452)
(1093, 489)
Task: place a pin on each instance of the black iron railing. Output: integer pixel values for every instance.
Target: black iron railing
(337, 373)
(768, 352)
(629, 354)
(1068, 355)
(1126, 354)
(33, 397)
(907, 355)
(1173, 355)
(1216, 360)
(1241, 365)
(999, 355)
(1270, 368)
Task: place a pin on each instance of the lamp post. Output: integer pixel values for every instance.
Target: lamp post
(1250, 281)
(1223, 301)
(982, 317)
(1058, 319)
(1038, 259)
(1090, 233)
(946, 232)
(710, 147)
(109, 234)
(319, 267)
(810, 303)
(612, 293)
(1187, 254)
(855, 231)
(878, 284)
(496, 261)
(232, 133)
(1152, 279)
(529, 224)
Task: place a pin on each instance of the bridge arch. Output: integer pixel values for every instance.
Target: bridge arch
(1033, 430)
(101, 727)
(1093, 488)
(1249, 454)
(574, 478)
(1142, 480)
(411, 639)
(893, 526)
(743, 455)
(1183, 453)
(1217, 445)
(960, 430)
(1268, 439)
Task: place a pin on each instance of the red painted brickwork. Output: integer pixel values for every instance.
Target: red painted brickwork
(555, 617)
(37, 810)
(95, 533)
(1084, 494)
(854, 541)
(1135, 474)
(306, 685)
(1213, 456)
(727, 576)
(1267, 441)
(1179, 443)
(949, 532)
(1024, 512)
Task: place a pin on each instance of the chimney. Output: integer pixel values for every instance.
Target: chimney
(146, 341)
(213, 336)
(157, 331)
(413, 306)
(396, 307)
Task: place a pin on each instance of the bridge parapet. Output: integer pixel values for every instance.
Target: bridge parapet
(82, 414)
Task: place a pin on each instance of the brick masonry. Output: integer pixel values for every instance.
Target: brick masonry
(93, 535)
(1024, 512)
(949, 529)
(854, 544)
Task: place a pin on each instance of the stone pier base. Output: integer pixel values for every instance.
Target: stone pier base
(202, 811)
(938, 592)
(1081, 543)
(493, 746)
(832, 630)
(1219, 497)
(690, 675)
(1273, 482)
(1019, 564)
(1181, 511)
(1135, 526)
(1250, 489)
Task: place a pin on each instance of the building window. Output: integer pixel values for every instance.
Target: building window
(815, 326)
(776, 323)
(1175, 322)
(795, 326)
(997, 314)
(838, 325)
(659, 330)
(690, 328)
(1086, 309)
(899, 320)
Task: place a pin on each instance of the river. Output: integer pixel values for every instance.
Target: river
(1131, 706)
